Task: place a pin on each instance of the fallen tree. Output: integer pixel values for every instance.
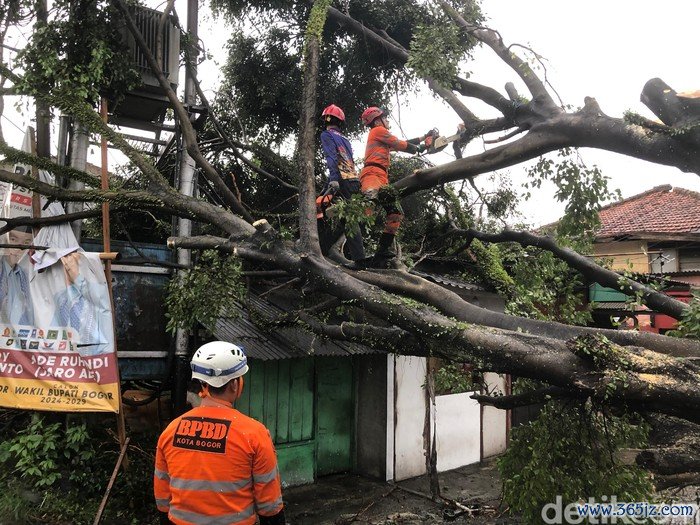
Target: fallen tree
(632, 370)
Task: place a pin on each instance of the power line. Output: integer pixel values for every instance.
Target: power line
(13, 123)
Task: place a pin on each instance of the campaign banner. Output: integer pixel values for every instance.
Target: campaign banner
(57, 347)
(16, 200)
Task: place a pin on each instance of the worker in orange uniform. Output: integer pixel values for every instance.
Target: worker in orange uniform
(375, 175)
(214, 465)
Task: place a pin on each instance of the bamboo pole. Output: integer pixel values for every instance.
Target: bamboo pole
(106, 249)
(105, 498)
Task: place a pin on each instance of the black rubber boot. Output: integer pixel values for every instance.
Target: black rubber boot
(384, 247)
(385, 258)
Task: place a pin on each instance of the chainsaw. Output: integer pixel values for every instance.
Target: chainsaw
(437, 142)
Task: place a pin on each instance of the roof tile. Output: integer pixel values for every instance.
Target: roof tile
(663, 209)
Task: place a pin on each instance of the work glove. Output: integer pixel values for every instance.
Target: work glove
(430, 137)
(333, 186)
(431, 133)
(421, 148)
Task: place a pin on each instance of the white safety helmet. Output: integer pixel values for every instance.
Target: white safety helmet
(218, 362)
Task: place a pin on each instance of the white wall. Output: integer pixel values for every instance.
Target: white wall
(460, 425)
(493, 419)
(458, 431)
(390, 422)
(410, 417)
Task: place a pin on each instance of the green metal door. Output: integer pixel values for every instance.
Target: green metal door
(334, 416)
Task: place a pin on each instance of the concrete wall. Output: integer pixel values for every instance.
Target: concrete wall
(371, 415)
(623, 254)
(462, 431)
(493, 420)
(458, 431)
(409, 456)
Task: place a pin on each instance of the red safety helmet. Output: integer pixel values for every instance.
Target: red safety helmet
(333, 111)
(370, 114)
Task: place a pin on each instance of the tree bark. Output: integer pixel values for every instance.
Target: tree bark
(306, 150)
(588, 268)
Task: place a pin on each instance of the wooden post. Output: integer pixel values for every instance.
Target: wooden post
(105, 498)
(106, 248)
(430, 428)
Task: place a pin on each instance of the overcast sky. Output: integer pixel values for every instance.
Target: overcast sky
(606, 49)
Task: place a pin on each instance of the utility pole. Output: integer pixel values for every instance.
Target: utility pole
(184, 226)
(78, 160)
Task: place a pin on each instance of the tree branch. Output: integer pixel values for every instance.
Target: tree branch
(308, 229)
(540, 395)
(486, 94)
(582, 129)
(401, 54)
(493, 40)
(12, 223)
(452, 305)
(528, 147)
(92, 195)
(587, 267)
(222, 132)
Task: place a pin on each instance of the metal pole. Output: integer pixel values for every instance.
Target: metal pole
(184, 228)
(78, 160)
(106, 247)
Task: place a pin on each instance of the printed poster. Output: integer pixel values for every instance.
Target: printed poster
(56, 335)
(57, 348)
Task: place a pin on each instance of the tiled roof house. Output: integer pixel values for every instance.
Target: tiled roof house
(662, 211)
(657, 231)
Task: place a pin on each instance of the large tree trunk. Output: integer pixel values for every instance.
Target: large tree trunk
(635, 370)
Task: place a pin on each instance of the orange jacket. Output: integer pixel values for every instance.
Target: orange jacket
(215, 465)
(380, 143)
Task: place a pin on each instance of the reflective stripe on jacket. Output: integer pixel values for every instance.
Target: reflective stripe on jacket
(215, 465)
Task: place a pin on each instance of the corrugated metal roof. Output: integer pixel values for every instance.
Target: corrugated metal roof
(439, 279)
(281, 342)
(620, 306)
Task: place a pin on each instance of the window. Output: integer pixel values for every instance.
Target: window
(689, 259)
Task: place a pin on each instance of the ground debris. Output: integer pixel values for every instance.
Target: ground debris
(410, 518)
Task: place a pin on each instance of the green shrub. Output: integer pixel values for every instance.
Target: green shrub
(569, 450)
(53, 473)
(454, 378)
(689, 325)
(40, 451)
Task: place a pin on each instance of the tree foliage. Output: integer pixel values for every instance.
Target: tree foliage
(79, 52)
(255, 160)
(205, 292)
(263, 70)
(570, 451)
